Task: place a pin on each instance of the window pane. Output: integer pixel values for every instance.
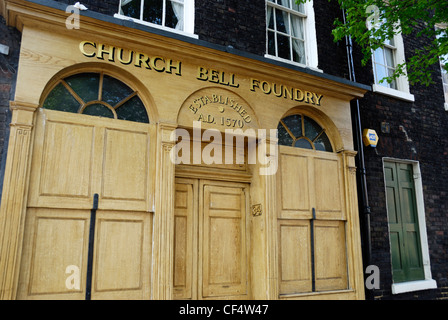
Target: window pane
(298, 7)
(380, 74)
(131, 8)
(299, 51)
(283, 46)
(174, 15)
(133, 110)
(389, 57)
(86, 85)
(393, 84)
(271, 43)
(61, 99)
(281, 19)
(152, 11)
(284, 138)
(294, 124)
(297, 27)
(270, 17)
(302, 143)
(98, 110)
(312, 129)
(323, 143)
(378, 56)
(284, 3)
(114, 90)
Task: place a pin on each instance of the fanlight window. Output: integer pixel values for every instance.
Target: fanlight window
(303, 132)
(97, 94)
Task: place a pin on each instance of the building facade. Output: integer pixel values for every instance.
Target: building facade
(212, 150)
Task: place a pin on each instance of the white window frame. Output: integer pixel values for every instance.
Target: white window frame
(309, 35)
(402, 92)
(188, 20)
(428, 282)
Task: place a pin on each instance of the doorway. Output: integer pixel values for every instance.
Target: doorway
(210, 239)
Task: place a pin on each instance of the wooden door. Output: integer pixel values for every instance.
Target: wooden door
(407, 262)
(210, 253)
(74, 157)
(311, 222)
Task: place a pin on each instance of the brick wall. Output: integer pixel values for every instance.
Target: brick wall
(108, 7)
(241, 24)
(418, 131)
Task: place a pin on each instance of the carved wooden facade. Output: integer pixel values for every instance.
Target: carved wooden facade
(165, 230)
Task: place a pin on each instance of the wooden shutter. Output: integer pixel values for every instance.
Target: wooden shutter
(403, 222)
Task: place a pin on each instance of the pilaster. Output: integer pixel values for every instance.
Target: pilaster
(13, 205)
(164, 216)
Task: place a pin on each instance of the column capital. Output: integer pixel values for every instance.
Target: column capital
(22, 114)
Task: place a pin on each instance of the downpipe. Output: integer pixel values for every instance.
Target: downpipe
(361, 173)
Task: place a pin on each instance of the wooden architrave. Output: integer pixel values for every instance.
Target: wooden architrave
(14, 198)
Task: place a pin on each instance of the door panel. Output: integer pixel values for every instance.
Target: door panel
(294, 256)
(122, 259)
(125, 173)
(223, 240)
(330, 255)
(185, 239)
(76, 156)
(294, 181)
(53, 241)
(210, 216)
(327, 185)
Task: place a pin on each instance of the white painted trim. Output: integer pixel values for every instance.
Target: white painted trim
(428, 282)
(310, 36)
(446, 106)
(410, 286)
(156, 26)
(291, 62)
(393, 92)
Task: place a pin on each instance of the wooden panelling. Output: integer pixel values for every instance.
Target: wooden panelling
(294, 256)
(122, 263)
(54, 240)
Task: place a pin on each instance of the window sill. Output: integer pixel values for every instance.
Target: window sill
(393, 93)
(413, 286)
(292, 63)
(156, 26)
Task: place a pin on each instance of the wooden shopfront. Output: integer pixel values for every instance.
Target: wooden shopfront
(96, 206)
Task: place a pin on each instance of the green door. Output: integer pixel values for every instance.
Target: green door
(407, 262)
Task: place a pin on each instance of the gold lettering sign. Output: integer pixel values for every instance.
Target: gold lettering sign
(226, 102)
(127, 57)
(217, 108)
(282, 91)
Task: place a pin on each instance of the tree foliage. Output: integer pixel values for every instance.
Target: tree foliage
(371, 22)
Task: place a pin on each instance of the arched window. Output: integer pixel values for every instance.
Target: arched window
(301, 131)
(97, 94)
